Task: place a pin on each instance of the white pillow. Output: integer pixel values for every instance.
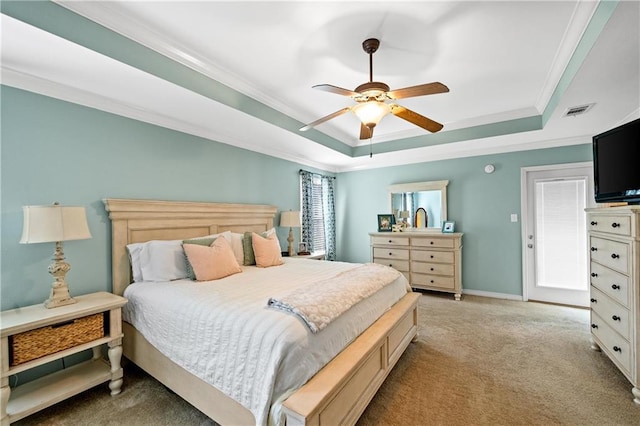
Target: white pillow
(235, 241)
(134, 259)
(163, 261)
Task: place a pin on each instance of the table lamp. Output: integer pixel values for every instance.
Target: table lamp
(290, 219)
(55, 223)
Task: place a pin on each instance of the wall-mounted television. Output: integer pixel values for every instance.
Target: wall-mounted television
(616, 164)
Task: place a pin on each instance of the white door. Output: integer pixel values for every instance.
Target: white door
(555, 253)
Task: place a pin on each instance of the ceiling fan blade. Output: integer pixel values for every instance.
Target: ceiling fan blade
(335, 89)
(323, 119)
(415, 118)
(419, 90)
(366, 132)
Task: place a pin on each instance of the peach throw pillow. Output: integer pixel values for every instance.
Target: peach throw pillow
(267, 250)
(212, 263)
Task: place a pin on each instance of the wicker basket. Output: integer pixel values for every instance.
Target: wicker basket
(54, 338)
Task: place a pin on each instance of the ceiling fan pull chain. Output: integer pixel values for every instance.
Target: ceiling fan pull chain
(371, 147)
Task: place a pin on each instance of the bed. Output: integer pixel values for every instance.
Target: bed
(336, 394)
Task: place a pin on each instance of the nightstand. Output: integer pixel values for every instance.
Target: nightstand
(34, 335)
(312, 255)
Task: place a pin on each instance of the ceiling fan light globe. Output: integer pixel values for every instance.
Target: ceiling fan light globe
(370, 113)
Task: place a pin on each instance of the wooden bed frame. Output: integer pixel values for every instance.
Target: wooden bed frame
(337, 394)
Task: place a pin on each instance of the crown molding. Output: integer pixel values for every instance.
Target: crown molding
(31, 83)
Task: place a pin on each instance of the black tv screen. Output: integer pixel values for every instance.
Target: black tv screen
(616, 164)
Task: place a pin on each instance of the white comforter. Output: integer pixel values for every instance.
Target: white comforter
(223, 331)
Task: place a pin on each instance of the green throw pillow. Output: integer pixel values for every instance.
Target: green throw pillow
(201, 242)
(247, 247)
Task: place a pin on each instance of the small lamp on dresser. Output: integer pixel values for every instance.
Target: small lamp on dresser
(55, 223)
(290, 219)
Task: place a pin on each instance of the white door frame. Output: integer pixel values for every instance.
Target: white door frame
(524, 209)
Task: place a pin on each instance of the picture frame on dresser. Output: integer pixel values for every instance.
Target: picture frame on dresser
(448, 226)
(385, 222)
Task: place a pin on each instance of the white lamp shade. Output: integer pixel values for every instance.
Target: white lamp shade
(290, 219)
(44, 224)
(370, 113)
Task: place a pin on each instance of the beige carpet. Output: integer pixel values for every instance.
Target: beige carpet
(477, 362)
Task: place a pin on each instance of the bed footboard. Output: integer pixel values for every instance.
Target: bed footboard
(341, 391)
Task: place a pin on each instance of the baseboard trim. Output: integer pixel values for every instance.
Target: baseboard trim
(492, 294)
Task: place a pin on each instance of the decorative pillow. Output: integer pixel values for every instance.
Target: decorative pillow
(249, 257)
(198, 241)
(212, 263)
(163, 261)
(267, 250)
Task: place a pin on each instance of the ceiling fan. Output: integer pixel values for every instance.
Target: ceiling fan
(372, 100)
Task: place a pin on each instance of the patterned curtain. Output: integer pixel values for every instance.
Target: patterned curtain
(306, 191)
(329, 211)
(318, 212)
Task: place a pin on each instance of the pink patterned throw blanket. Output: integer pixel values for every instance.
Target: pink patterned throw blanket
(319, 303)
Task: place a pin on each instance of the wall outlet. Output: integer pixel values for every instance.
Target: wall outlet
(514, 217)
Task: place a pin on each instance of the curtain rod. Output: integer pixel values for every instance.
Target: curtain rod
(317, 174)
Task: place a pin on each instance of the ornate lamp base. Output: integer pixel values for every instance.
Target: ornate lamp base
(59, 295)
(290, 240)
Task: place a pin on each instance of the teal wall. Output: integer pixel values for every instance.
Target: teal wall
(57, 151)
(480, 204)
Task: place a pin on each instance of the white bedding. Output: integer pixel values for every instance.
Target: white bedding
(223, 331)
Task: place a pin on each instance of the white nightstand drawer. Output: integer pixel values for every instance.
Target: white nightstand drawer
(615, 315)
(390, 253)
(613, 254)
(613, 284)
(398, 265)
(391, 240)
(432, 268)
(619, 225)
(616, 347)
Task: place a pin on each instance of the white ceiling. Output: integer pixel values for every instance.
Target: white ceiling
(501, 61)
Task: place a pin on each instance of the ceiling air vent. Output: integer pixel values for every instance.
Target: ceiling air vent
(577, 110)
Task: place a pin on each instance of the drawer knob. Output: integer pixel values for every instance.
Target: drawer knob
(431, 256)
(615, 286)
(617, 349)
(431, 269)
(431, 281)
(594, 248)
(431, 242)
(594, 223)
(390, 253)
(594, 325)
(615, 225)
(615, 318)
(615, 256)
(594, 300)
(390, 241)
(390, 264)
(593, 274)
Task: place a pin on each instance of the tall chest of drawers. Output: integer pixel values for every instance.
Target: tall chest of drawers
(430, 261)
(614, 250)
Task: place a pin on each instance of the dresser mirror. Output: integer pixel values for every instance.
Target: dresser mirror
(419, 206)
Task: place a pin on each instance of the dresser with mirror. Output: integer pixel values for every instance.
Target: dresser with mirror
(429, 258)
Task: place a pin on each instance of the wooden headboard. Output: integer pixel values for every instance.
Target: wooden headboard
(137, 221)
